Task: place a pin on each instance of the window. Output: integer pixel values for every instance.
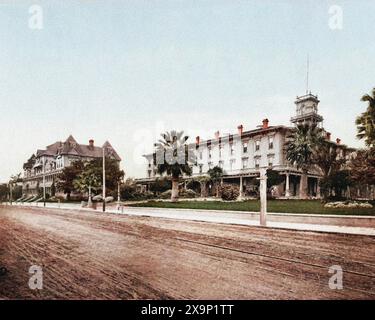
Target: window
(209, 153)
(244, 147)
(245, 162)
(210, 165)
(270, 161)
(221, 164)
(149, 173)
(231, 149)
(231, 163)
(257, 145)
(200, 168)
(220, 148)
(200, 155)
(270, 142)
(257, 163)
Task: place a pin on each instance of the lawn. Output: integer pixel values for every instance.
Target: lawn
(283, 206)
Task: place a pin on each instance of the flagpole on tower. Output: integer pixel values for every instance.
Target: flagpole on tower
(307, 74)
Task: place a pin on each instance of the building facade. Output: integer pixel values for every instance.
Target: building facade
(43, 167)
(243, 154)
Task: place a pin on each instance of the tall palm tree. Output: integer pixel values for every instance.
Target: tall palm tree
(173, 157)
(300, 146)
(366, 121)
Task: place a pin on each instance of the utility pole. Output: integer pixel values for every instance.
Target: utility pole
(10, 192)
(103, 180)
(118, 194)
(263, 197)
(89, 202)
(44, 182)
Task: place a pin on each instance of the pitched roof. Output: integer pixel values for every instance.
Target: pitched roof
(71, 147)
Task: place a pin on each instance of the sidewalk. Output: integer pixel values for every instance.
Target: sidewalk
(303, 222)
(249, 219)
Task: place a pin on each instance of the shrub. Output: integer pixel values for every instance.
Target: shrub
(188, 193)
(229, 192)
(161, 185)
(348, 204)
(182, 194)
(166, 194)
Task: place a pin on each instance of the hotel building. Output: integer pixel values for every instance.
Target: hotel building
(43, 167)
(241, 155)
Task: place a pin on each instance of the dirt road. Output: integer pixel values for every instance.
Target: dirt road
(105, 256)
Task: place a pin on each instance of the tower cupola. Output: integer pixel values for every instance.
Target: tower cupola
(307, 110)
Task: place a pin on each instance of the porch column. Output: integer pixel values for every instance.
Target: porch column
(287, 188)
(318, 195)
(241, 187)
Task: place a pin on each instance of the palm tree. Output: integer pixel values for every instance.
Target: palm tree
(301, 146)
(366, 121)
(174, 158)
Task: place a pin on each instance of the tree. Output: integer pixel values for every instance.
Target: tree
(65, 180)
(87, 180)
(128, 189)
(362, 167)
(215, 174)
(15, 191)
(301, 145)
(328, 158)
(4, 191)
(338, 181)
(113, 174)
(203, 180)
(174, 158)
(366, 121)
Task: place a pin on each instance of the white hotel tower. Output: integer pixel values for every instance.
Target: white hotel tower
(242, 154)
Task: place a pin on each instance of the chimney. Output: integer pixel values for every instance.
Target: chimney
(240, 129)
(217, 134)
(338, 140)
(265, 123)
(91, 143)
(328, 136)
(197, 139)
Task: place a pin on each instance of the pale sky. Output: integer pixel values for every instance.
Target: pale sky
(124, 71)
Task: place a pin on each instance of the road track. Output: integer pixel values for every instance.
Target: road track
(106, 256)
